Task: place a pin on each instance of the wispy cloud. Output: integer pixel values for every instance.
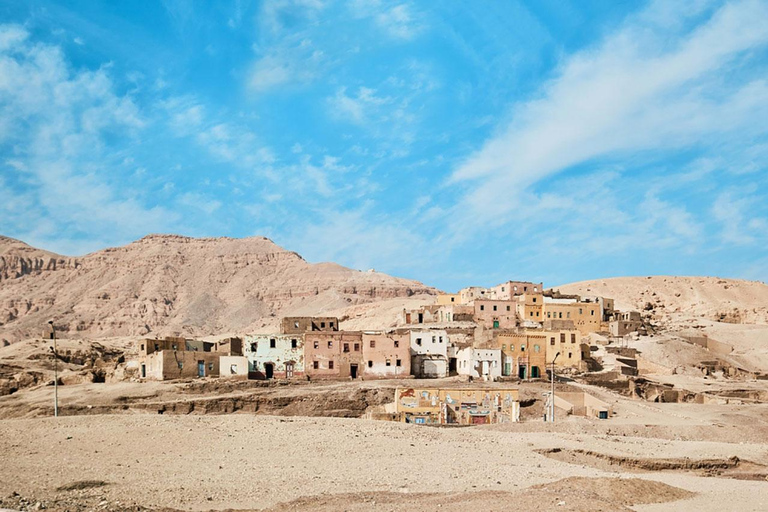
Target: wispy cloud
(646, 87)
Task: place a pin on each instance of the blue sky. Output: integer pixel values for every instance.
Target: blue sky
(456, 143)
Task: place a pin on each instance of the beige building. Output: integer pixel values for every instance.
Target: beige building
(523, 354)
(529, 307)
(179, 358)
(510, 289)
(302, 324)
(495, 314)
(584, 315)
(568, 344)
(445, 299)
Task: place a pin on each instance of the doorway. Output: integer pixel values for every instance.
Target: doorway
(495, 324)
(288, 370)
(479, 420)
(421, 318)
(269, 370)
(452, 366)
(521, 372)
(143, 371)
(353, 371)
(507, 369)
(201, 368)
(534, 372)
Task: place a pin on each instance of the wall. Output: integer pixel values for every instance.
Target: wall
(288, 351)
(445, 299)
(380, 348)
(433, 342)
(510, 289)
(460, 406)
(233, 366)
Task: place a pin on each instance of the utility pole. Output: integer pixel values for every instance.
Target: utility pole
(55, 371)
(552, 394)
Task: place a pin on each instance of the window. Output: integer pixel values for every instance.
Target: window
(296, 325)
(507, 308)
(549, 314)
(272, 342)
(370, 364)
(562, 337)
(233, 369)
(157, 346)
(569, 355)
(593, 312)
(515, 288)
(181, 365)
(453, 299)
(482, 308)
(346, 347)
(418, 341)
(210, 367)
(537, 313)
(531, 313)
(322, 325)
(397, 343)
(511, 348)
(330, 344)
(525, 288)
(398, 362)
(330, 365)
(495, 307)
(573, 338)
(522, 348)
(173, 347)
(561, 314)
(357, 347)
(535, 288)
(294, 344)
(504, 347)
(434, 339)
(389, 362)
(441, 339)
(581, 311)
(534, 299)
(330, 324)
(373, 343)
(315, 365)
(536, 348)
(502, 288)
(552, 341)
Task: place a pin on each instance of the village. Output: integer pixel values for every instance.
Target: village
(513, 332)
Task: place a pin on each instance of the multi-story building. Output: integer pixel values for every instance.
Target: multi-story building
(429, 353)
(495, 314)
(479, 363)
(333, 355)
(511, 289)
(386, 355)
(275, 356)
(523, 354)
(567, 343)
(585, 315)
(529, 306)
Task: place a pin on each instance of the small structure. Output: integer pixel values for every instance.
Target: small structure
(625, 322)
(461, 406)
(580, 403)
(302, 324)
(479, 363)
(178, 358)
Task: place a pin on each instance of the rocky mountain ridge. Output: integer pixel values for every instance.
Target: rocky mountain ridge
(166, 284)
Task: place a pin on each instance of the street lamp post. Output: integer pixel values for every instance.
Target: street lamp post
(552, 394)
(55, 371)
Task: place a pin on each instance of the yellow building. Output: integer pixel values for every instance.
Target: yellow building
(522, 354)
(568, 343)
(446, 299)
(584, 315)
(529, 307)
(461, 406)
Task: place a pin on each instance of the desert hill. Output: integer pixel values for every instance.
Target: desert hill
(167, 284)
(673, 298)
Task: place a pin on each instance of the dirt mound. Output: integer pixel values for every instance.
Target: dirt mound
(731, 467)
(571, 494)
(168, 284)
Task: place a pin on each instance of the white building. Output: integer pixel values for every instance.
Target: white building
(274, 356)
(429, 353)
(479, 363)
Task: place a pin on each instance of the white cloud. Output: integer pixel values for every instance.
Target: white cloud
(398, 21)
(359, 107)
(56, 123)
(643, 88)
